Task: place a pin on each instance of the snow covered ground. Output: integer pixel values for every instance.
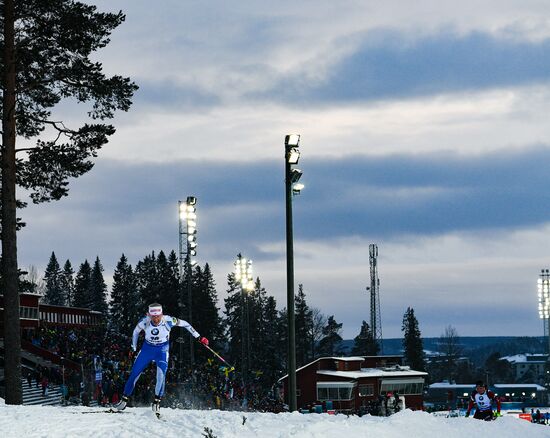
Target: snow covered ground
(80, 422)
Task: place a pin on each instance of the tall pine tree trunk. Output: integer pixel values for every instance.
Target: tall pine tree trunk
(12, 332)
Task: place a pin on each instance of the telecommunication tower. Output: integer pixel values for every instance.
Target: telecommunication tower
(374, 288)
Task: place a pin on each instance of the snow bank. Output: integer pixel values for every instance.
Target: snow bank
(80, 422)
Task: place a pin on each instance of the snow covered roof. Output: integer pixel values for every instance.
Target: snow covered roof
(373, 372)
(447, 385)
(347, 359)
(526, 358)
(520, 385)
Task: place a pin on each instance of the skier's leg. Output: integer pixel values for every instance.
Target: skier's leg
(161, 360)
(143, 359)
(162, 366)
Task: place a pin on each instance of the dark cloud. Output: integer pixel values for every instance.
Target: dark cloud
(242, 204)
(390, 65)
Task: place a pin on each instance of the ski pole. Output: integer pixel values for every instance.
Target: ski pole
(231, 367)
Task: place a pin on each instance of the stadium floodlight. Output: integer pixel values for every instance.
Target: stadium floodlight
(297, 188)
(543, 289)
(295, 175)
(188, 251)
(292, 187)
(243, 275)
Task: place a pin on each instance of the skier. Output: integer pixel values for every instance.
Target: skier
(155, 348)
(482, 398)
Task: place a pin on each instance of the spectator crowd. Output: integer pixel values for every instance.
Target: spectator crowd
(104, 363)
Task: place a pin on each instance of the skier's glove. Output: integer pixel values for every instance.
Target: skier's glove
(203, 341)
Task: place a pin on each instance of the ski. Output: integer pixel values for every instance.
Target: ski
(108, 411)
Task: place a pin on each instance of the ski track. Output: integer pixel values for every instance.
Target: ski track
(46, 422)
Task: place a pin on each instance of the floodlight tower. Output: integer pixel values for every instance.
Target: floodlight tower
(243, 275)
(544, 302)
(374, 288)
(187, 252)
(292, 188)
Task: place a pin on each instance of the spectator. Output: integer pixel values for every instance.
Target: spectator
(44, 384)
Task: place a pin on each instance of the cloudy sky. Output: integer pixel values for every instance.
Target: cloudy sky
(425, 129)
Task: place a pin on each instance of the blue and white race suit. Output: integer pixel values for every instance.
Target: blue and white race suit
(155, 348)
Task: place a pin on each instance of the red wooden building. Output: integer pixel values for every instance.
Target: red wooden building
(32, 314)
(350, 383)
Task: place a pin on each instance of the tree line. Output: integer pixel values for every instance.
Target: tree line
(250, 328)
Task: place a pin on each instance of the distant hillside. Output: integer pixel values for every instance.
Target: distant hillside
(477, 348)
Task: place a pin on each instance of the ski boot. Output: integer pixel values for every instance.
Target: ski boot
(156, 406)
(121, 405)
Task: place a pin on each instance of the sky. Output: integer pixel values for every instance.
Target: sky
(424, 129)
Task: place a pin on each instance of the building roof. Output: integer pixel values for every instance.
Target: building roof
(447, 385)
(374, 372)
(526, 358)
(347, 359)
(519, 386)
(362, 373)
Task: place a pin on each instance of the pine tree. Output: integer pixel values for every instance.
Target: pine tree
(82, 286)
(206, 313)
(66, 283)
(147, 281)
(266, 347)
(167, 283)
(364, 343)
(46, 58)
(124, 298)
(303, 322)
(330, 344)
(98, 289)
(412, 341)
(234, 320)
(54, 294)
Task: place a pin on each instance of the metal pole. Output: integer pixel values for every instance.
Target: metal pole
(243, 333)
(180, 241)
(190, 316)
(292, 402)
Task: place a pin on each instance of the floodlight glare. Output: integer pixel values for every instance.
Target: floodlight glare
(191, 239)
(292, 140)
(297, 187)
(192, 252)
(192, 223)
(293, 156)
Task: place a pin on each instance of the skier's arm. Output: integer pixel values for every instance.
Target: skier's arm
(189, 327)
(470, 406)
(135, 335)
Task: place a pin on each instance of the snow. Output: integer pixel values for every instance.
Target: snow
(520, 385)
(526, 358)
(373, 372)
(45, 422)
